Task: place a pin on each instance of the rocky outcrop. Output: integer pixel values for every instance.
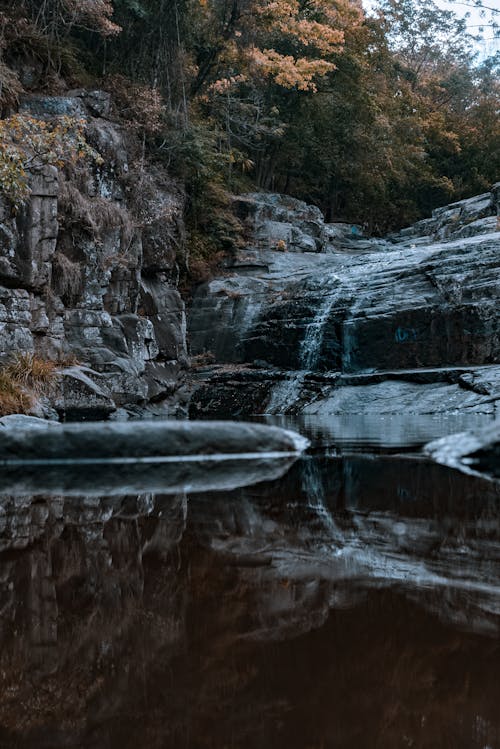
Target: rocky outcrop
(476, 452)
(88, 273)
(354, 325)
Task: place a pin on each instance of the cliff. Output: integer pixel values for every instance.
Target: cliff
(314, 318)
(89, 272)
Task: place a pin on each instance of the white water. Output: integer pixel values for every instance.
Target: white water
(310, 347)
(286, 393)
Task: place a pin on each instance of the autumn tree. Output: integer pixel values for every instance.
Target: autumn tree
(394, 131)
(287, 42)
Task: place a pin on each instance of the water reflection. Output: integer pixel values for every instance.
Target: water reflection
(165, 475)
(354, 602)
(387, 431)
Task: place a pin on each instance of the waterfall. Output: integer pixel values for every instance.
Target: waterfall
(310, 347)
(286, 393)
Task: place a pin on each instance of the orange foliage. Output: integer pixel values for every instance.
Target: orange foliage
(288, 42)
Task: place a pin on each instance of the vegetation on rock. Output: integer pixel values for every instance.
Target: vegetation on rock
(23, 381)
(26, 142)
(376, 119)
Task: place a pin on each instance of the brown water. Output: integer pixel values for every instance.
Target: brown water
(352, 603)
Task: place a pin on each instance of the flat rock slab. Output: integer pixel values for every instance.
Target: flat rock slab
(475, 452)
(146, 440)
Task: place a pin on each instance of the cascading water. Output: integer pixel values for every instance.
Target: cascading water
(310, 348)
(287, 392)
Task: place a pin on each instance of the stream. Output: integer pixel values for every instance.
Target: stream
(351, 599)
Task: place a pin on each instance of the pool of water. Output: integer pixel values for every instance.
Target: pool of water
(349, 600)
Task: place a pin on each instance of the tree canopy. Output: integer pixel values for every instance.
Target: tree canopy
(376, 119)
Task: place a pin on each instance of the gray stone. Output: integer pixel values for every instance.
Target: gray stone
(20, 421)
(45, 107)
(155, 439)
(72, 289)
(161, 209)
(28, 242)
(418, 317)
(475, 452)
(165, 308)
(81, 397)
(98, 102)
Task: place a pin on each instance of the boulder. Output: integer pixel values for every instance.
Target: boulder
(476, 452)
(132, 441)
(20, 421)
(80, 397)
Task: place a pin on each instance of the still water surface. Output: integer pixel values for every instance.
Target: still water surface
(353, 602)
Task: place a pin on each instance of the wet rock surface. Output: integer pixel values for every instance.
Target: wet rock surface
(471, 452)
(88, 273)
(357, 326)
(345, 604)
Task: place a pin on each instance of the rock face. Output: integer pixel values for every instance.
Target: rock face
(352, 325)
(88, 272)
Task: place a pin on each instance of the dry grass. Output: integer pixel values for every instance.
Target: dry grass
(96, 214)
(23, 380)
(13, 397)
(67, 278)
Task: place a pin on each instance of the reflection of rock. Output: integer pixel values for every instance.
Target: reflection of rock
(145, 618)
(360, 523)
(471, 452)
(172, 477)
(75, 606)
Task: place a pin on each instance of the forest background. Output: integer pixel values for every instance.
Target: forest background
(377, 119)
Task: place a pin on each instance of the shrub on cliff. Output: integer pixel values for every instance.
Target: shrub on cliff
(26, 141)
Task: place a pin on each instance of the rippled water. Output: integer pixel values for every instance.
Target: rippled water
(350, 600)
